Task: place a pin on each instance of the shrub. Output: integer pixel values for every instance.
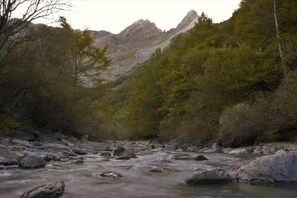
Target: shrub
(270, 118)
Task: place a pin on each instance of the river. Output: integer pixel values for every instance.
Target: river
(84, 180)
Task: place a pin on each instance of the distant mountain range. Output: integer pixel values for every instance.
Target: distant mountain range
(136, 43)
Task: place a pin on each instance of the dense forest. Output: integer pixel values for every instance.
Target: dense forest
(234, 83)
(49, 77)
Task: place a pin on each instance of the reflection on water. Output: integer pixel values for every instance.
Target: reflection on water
(83, 180)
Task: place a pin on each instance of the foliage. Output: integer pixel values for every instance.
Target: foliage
(43, 85)
(211, 79)
(271, 117)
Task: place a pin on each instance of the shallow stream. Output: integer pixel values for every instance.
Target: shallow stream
(84, 180)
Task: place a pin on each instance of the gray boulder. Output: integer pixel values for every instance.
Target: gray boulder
(51, 157)
(122, 154)
(7, 158)
(189, 157)
(80, 151)
(280, 167)
(119, 151)
(210, 176)
(32, 161)
(50, 190)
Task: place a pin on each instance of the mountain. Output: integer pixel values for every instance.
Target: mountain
(136, 43)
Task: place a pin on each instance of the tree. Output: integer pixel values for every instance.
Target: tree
(32, 10)
(14, 33)
(87, 60)
(144, 100)
(277, 30)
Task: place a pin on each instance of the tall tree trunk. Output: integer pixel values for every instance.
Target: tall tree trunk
(280, 50)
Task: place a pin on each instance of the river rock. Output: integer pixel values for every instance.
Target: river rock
(8, 162)
(5, 152)
(79, 151)
(280, 167)
(238, 151)
(122, 154)
(189, 157)
(122, 157)
(215, 146)
(51, 157)
(210, 176)
(200, 158)
(57, 149)
(107, 148)
(109, 174)
(50, 190)
(119, 151)
(105, 154)
(7, 157)
(32, 161)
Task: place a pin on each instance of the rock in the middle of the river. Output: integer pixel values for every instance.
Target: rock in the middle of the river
(280, 167)
(32, 161)
(211, 176)
(122, 154)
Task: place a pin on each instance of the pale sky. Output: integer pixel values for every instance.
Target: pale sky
(115, 15)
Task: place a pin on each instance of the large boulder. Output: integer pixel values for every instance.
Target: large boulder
(80, 151)
(32, 161)
(7, 158)
(209, 176)
(50, 190)
(119, 151)
(122, 154)
(280, 167)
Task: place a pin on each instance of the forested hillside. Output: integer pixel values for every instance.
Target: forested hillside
(46, 73)
(233, 82)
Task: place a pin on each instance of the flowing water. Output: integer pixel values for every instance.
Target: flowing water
(83, 180)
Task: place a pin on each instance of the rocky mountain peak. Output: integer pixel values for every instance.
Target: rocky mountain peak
(140, 33)
(188, 19)
(139, 26)
(136, 43)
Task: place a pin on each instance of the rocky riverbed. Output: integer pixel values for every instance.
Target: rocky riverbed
(35, 165)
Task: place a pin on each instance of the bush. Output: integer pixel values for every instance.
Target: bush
(270, 118)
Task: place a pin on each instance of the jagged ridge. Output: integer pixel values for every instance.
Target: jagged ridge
(135, 44)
